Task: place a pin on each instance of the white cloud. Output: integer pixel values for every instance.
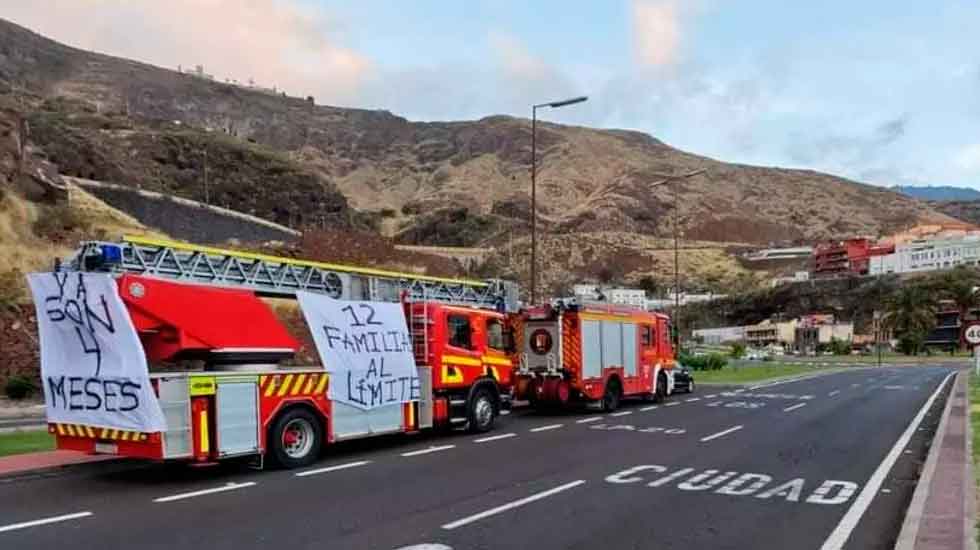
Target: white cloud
(276, 42)
(656, 31)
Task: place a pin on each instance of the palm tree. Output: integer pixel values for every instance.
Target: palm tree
(910, 313)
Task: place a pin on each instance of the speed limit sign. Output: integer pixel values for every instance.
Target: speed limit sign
(972, 334)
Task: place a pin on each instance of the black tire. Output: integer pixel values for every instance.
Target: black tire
(661, 392)
(301, 446)
(690, 386)
(481, 411)
(612, 396)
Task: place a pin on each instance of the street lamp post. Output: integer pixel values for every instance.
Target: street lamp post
(677, 271)
(534, 176)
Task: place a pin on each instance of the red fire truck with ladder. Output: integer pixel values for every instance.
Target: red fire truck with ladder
(201, 303)
(597, 354)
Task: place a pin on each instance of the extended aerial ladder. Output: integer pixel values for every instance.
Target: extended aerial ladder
(275, 276)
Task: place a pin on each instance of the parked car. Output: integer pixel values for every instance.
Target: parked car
(683, 379)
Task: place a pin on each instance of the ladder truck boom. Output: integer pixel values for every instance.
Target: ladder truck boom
(275, 276)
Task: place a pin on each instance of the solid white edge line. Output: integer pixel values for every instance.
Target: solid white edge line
(545, 428)
(43, 521)
(510, 505)
(794, 407)
(650, 408)
(722, 433)
(838, 537)
(621, 413)
(333, 468)
(495, 437)
(192, 494)
(589, 419)
(429, 450)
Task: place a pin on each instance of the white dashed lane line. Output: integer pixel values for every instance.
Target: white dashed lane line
(722, 433)
(712, 396)
(650, 408)
(833, 393)
(692, 400)
(333, 468)
(495, 437)
(794, 407)
(43, 521)
(672, 404)
(512, 505)
(621, 413)
(202, 492)
(429, 450)
(589, 419)
(546, 428)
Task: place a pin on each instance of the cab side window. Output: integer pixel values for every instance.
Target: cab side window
(495, 334)
(460, 334)
(648, 336)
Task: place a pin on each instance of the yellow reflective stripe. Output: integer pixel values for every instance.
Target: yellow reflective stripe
(451, 378)
(104, 433)
(203, 426)
(125, 436)
(502, 361)
(61, 429)
(298, 385)
(89, 431)
(321, 386)
(411, 415)
(310, 384)
(270, 388)
(285, 385)
(71, 430)
(460, 360)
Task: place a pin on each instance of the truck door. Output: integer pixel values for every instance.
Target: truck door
(461, 361)
(648, 354)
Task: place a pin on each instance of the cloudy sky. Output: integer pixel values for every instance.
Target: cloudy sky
(884, 91)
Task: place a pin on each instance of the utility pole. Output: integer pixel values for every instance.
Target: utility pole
(207, 193)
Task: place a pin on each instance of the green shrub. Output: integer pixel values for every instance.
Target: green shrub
(19, 387)
(738, 350)
(840, 347)
(715, 361)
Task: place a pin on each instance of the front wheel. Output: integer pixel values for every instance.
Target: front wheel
(295, 439)
(481, 411)
(690, 387)
(661, 393)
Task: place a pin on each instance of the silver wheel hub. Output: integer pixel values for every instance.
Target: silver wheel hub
(483, 411)
(297, 438)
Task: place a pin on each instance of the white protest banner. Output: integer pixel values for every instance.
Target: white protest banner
(93, 368)
(366, 348)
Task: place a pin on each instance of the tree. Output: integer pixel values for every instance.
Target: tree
(910, 313)
(960, 287)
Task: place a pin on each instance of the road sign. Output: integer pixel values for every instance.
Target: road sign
(972, 334)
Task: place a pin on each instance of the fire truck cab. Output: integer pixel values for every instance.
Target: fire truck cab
(597, 354)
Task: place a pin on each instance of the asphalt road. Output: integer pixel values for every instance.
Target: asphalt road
(795, 465)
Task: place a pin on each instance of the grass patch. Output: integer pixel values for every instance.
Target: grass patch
(752, 373)
(33, 441)
(973, 393)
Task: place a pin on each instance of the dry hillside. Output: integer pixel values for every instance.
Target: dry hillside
(445, 183)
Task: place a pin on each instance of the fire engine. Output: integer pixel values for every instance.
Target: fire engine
(597, 354)
(204, 305)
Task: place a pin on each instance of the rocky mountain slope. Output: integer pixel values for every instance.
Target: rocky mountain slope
(440, 183)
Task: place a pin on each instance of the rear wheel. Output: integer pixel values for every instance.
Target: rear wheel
(295, 439)
(661, 392)
(481, 411)
(612, 395)
(690, 386)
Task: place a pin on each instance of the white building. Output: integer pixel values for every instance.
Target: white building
(622, 296)
(928, 255)
(791, 253)
(798, 277)
(721, 335)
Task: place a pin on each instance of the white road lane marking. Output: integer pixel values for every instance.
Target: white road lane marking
(192, 494)
(833, 393)
(621, 413)
(494, 437)
(712, 396)
(843, 531)
(429, 450)
(722, 433)
(43, 521)
(333, 468)
(650, 408)
(511, 505)
(589, 419)
(794, 407)
(546, 428)
(504, 412)
(692, 400)
(672, 404)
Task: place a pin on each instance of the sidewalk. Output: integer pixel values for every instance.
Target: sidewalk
(24, 463)
(941, 514)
